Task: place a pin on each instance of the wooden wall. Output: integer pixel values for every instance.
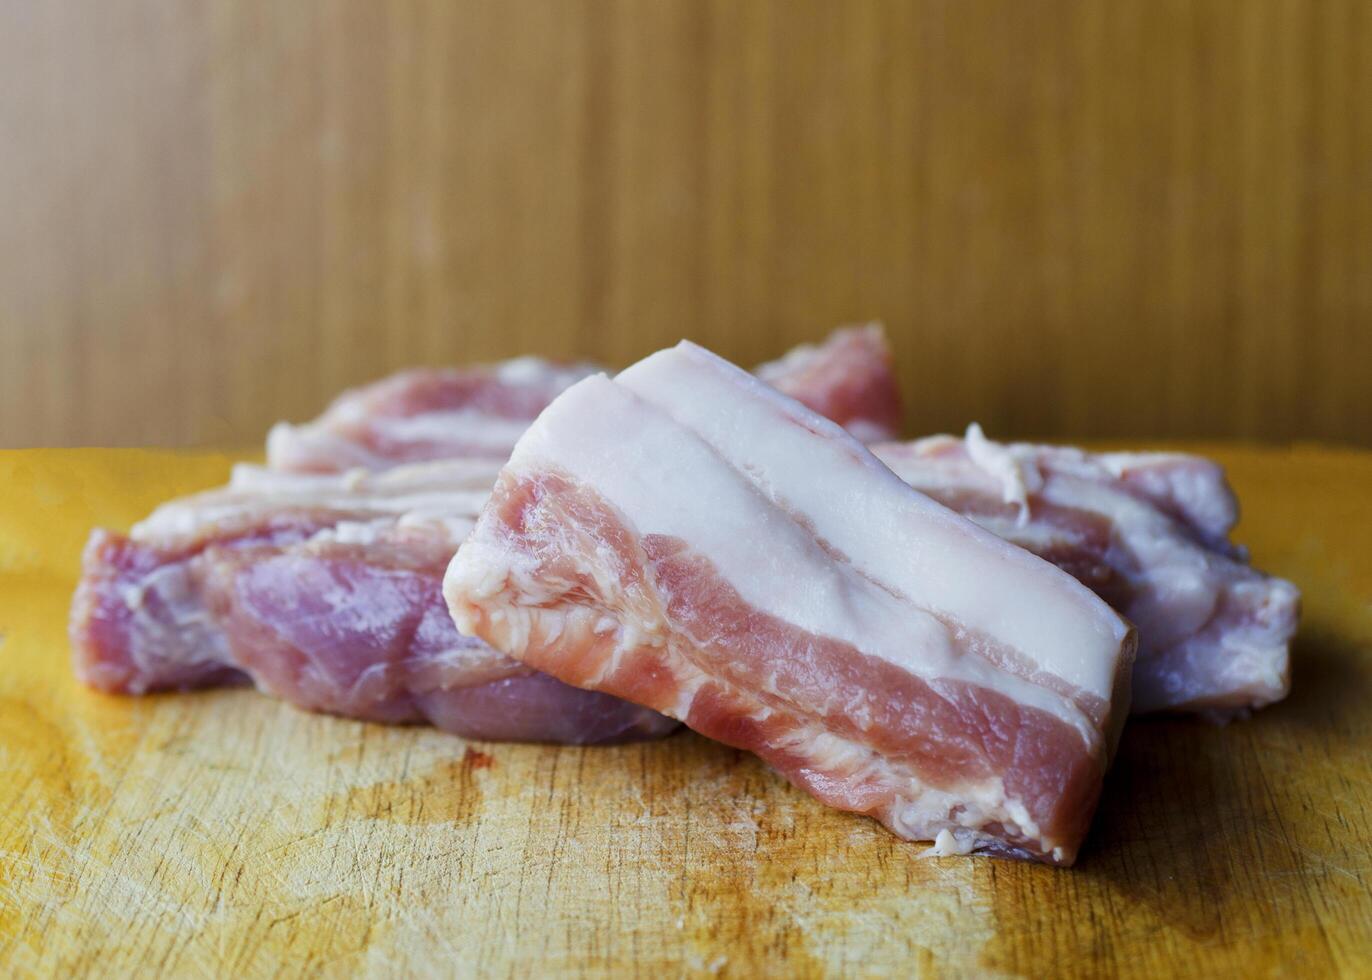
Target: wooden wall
(1120, 219)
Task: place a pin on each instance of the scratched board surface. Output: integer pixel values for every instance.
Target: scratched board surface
(225, 833)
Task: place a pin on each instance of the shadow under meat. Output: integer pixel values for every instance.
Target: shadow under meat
(1197, 819)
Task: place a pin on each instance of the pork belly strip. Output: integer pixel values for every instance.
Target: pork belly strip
(481, 411)
(1149, 533)
(688, 538)
(325, 592)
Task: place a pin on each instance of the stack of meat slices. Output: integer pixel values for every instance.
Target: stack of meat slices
(940, 634)
(318, 578)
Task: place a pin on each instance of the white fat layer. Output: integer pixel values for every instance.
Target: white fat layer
(664, 479)
(447, 493)
(467, 426)
(932, 473)
(902, 539)
(1018, 476)
(475, 474)
(187, 519)
(948, 844)
(454, 528)
(937, 475)
(364, 533)
(354, 532)
(1035, 536)
(302, 445)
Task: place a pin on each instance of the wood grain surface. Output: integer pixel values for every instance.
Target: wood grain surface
(1136, 218)
(227, 834)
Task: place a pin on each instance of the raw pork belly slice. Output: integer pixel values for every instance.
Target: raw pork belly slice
(1149, 533)
(447, 413)
(847, 379)
(424, 414)
(685, 537)
(324, 591)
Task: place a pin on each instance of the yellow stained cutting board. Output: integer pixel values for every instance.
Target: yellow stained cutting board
(227, 834)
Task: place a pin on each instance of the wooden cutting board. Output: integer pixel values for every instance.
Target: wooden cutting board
(226, 834)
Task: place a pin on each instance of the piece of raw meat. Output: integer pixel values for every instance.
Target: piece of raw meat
(685, 537)
(481, 411)
(424, 414)
(1149, 533)
(848, 379)
(324, 591)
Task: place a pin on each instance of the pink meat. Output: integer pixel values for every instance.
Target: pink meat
(481, 411)
(327, 598)
(1149, 533)
(849, 379)
(686, 538)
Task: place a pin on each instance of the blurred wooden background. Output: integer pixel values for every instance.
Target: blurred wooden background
(1128, 219)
